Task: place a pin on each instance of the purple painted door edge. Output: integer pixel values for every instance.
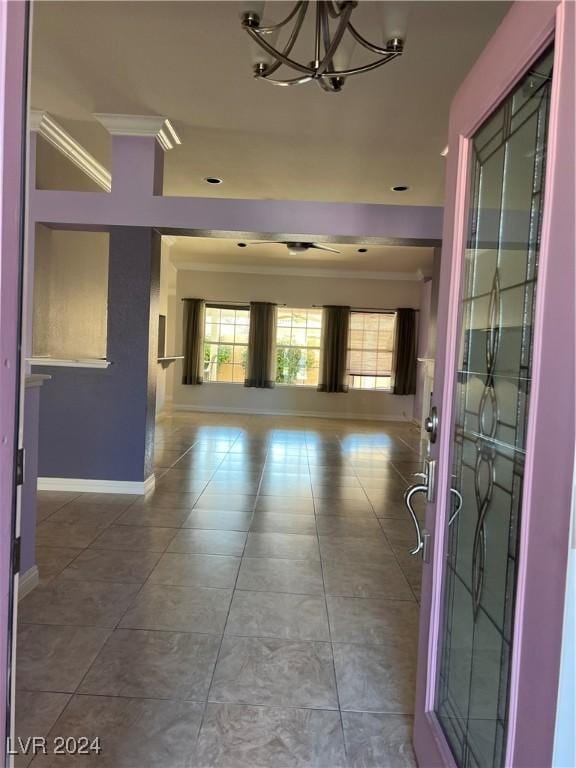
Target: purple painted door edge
(13, 22)
(523, 35)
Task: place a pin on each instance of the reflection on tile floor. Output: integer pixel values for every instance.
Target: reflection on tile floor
(257, 610)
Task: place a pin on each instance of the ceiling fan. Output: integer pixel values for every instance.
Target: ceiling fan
(298, 248)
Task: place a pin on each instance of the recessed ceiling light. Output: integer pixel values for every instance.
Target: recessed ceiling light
(212, 180)
(362, 250)
(241, 245)
(399, 188)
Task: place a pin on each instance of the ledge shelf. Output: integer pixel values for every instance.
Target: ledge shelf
(56, 362)
(167, 361)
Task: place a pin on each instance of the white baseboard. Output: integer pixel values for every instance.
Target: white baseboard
(279, 412)
(28, 581)
(97, 486)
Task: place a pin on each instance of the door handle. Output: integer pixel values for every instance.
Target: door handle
(422, 536)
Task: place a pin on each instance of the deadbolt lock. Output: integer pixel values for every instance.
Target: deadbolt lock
(431, 424)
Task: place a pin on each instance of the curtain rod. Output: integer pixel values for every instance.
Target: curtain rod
(314, 306)
(230, 303)
(367, 309)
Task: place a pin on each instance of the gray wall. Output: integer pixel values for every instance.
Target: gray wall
(70, 293)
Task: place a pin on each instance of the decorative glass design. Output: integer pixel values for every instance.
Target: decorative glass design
(491, 411)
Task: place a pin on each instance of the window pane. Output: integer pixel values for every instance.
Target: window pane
(370, 349)
(298, 346)
(241, 336)
(226, 337)
(298, 337)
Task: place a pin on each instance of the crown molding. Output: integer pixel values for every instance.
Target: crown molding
(297, 272)
(44, 124)
(153, 126)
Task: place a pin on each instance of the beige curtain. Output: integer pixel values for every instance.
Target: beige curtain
(334, 350)
(405, 352)
(193, 363)
(261, 364)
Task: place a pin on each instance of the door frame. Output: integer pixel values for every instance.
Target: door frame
(525, 33)
(13, 65)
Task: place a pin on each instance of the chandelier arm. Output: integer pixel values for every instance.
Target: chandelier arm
(366, 43)
(336, 40)
(278, 55)
(326, 35)
(290, 43)
(318, 32)
(365, 68)
(295, 81)
(333, 9)
(280, 24)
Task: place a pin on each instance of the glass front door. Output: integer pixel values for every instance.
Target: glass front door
(491, 411)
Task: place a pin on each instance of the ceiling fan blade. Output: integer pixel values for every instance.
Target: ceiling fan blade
(324, 248)
(267, 242)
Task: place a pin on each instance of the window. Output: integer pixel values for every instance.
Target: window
(298, 346)
(226, 343)
(371, 349)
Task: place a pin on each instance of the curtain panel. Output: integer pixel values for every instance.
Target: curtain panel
(193, 363)
(405, 352)
(261, 363)
(334, 350)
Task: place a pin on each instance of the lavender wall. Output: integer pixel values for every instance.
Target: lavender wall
(32, 396)
(99, 423)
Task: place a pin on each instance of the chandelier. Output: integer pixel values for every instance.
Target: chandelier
(334, 38)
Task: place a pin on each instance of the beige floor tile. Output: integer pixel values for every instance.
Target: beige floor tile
(376, 741)
(287, 616)
(77, 603)
(196, 570)
(270, 522)
(194, 541)
(216, 520)
(77, 535)
(159, 517)
(152, 664)
(123, 567)
(273, 672)
(262, 574)
(376, 678)
(135, 538)
(134, 733)
(352, 549)
(381, 579)
(51, 561)
(55, 658)
(372, 620)
(36, 713)
(236, 736)
(179, 609)
(293, 546)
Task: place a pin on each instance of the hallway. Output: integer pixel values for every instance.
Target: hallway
(258, 609)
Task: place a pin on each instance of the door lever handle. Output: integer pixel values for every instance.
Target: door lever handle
(459, 502)
(421, 536)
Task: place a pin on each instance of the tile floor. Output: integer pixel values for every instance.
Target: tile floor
(258, 610)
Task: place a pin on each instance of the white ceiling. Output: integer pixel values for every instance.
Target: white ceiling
(224, 254)
(190, 61)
